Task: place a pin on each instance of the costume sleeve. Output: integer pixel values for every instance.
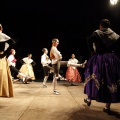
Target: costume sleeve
(6, 37)
(33, 63)
(21, 61)
(90, 41)
(10, 44)
(116, 46)
(76, 61)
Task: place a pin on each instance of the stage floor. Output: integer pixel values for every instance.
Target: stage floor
(32, 102)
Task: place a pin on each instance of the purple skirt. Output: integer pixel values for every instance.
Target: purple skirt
(102, 78)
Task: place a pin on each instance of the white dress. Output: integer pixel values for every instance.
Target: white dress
(27, 68)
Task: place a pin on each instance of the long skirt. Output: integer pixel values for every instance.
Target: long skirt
(102, 78)
(73, 75)
(6, 85)
(27, 70)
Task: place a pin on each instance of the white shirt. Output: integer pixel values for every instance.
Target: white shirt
(27, 60)
(10, 60)
(45, 61)
(73, 60)
(57, 55)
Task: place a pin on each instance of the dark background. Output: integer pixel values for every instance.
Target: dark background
(33, 24)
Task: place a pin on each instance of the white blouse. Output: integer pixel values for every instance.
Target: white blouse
(73, 60)
(10, 60)
(27, 60)
(45, 61)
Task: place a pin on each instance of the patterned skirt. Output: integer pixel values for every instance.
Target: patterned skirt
(102, 78)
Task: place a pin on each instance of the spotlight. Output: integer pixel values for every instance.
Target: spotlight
(113, 2)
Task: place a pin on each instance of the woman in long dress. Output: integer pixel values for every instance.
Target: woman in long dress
(27, 67)
(102, 73)
(72, 73)
(6, 85)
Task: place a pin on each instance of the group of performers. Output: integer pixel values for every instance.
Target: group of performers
(56, 61)
(72, 73)
(8, 66)
(102, 69)
(26, 70)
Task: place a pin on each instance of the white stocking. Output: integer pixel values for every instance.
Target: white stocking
(59, 76)
(23, 79)
(54, 83)
(45, 80)
(21, 74)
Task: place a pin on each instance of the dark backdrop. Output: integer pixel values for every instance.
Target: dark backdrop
(34, 23)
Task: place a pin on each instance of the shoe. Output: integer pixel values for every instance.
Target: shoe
(87, 101)
(56, 92)
(25, 81)
(29, 77)
(72, 84)
(15, 80)
(106, 110)
(44, 86)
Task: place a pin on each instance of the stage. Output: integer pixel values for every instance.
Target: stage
(32, 102)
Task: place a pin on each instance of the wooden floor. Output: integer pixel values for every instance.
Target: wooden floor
(32, 102)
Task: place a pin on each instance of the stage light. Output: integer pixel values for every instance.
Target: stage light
(113, 2)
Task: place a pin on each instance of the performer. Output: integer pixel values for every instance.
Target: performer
(45, 61)
(12, 65)
(72, 73)
(56, 58)
(27, 67)
(102, 73)
(12, 62)
(6, 85)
